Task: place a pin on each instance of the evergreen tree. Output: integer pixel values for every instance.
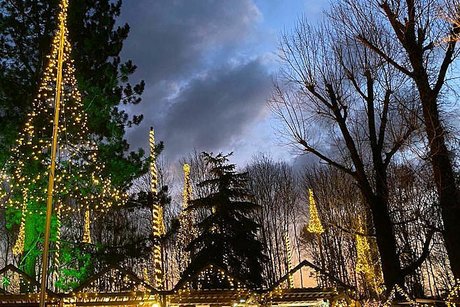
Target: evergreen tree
(227, 236)
(79, 182)
(26, 31)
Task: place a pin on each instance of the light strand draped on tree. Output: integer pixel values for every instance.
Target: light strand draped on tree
(80, 183)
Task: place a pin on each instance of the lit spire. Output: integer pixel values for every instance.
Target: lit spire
(314, 223)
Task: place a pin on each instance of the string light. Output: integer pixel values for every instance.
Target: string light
(145, 275)
(398, 290)
(58, 241)
(314, 223)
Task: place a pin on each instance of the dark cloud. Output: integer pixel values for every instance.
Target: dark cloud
(170, 39)
(213, 110)
(201, 93)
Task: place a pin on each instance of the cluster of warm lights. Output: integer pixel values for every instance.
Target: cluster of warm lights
(114, 280)
(157, 216)
(314, 223)
(79, 180)
(453, 293)
(398, 290)
(211, 272)
(58, 239)
(19, 245)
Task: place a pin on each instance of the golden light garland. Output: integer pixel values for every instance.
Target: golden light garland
(314, 223)
(157, 216)
(289, 260)
(145, 275)
(78, 172)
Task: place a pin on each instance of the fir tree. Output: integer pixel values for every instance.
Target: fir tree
(227, 236)
(80, 187)
(26, 33)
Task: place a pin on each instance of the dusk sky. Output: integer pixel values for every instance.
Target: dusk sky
(208, 67)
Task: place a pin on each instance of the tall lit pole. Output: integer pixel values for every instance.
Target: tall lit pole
(49, 199)
(289, 260)
(157, 216)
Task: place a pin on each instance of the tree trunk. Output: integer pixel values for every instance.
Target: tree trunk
(444, 178)
(386, 242)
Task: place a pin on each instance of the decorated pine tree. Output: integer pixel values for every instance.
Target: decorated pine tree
(228, 235)
(79, 185)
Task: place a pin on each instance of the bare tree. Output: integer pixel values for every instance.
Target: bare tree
(411, 195)
(426, 46)
(276, 190)
(361, 112)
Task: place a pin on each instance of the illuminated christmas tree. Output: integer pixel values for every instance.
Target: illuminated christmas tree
(80, 186)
